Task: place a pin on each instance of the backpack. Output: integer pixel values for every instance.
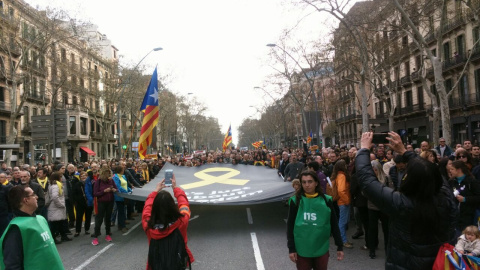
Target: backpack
(332, 189)
(168, 253)
(48, 200)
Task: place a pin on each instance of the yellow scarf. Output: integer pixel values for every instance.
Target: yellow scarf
(146, 176)
(60, 188)
(43, 183)
(312, 195)
(5, 183)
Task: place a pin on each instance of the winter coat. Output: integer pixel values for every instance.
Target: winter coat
(181, 223)
(343, 188)
(89, 189)
(469, 247)
(99, 187)
(78, 193)
(470, 189)
(56, 209)
(118, 183)
(402, 252)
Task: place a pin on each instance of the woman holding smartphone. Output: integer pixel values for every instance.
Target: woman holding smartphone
(103, 190)
(161, 218)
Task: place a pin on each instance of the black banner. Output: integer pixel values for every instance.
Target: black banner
(223, 184)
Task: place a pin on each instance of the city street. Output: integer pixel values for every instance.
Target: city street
(220, 237)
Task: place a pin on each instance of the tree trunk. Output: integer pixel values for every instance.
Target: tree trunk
(443, 97)
(365, 122)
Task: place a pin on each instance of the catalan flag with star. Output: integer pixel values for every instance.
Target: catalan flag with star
(228, 138)
(150, 115)
(310, 136)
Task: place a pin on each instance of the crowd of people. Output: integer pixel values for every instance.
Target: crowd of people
(68, 195)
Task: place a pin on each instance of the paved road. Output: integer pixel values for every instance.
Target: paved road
(220, 237)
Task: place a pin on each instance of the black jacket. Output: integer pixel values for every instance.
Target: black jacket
(358, 200)
(78, 194)
(470, 189)
(402, 252)
(38, 190)
(4, 206)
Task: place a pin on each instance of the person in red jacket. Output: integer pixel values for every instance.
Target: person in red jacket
(161, 216)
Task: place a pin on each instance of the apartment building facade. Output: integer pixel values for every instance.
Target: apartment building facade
(51, 67)
(401, 84)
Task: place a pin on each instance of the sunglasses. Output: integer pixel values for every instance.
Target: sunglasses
(459, 157)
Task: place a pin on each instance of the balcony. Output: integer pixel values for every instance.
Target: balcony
(34, 96)
(430, 38)
(411, 109)
(475, 54)
(405, 80)
(458, 60)
(76, 108)
(453, 24)
(5, 108)
(415, 76)
(468, 100)
(393, 34)
(98, 136)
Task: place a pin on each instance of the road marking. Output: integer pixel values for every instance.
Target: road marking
(256, 251)
(194, 217)
(87, 262)
(249, 216)
(131, 229)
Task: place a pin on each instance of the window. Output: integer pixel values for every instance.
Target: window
(34, 112)
(74, 100)
(377, 109)
(405, 41)
(42, 88)
(11, 12)
(408, 99)
(420, 97)
(109, 151)
(26, 115)
(92, 126)
(407, 68)
(83, 126)
(477, 84)
(63, 55)
(93, 147)
(73, 125)
(476, 37)
(461, 45)
(463, 89)
(65, 98)
(42, 112)
(91, 103)
(3, 132)
(2, 97)
(446, 51)
(418, 62)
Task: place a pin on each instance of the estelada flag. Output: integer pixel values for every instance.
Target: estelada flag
(228, 138)
(310, 136)
(150, 115)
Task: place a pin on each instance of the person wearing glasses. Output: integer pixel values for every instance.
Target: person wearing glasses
(462, 155)
(443, 149)
(467, 192)
(39, 252)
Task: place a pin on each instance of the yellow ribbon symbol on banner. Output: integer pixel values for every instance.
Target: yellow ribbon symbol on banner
(210, 179)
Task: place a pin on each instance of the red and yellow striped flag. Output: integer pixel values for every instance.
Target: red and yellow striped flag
(228, 139)
(150, 115)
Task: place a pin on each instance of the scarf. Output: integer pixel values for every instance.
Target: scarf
(146, 176)
(312, 195)
(60, 188)
(43, 182)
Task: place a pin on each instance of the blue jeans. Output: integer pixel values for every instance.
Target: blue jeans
(121, 214)
(342, 222)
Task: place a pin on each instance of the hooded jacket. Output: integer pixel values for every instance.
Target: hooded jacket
(181, 223)
(403, 253)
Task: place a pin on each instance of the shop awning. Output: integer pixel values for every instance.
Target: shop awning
(88, 150)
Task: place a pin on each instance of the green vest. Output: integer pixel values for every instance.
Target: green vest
(39, 250)
(312, 227)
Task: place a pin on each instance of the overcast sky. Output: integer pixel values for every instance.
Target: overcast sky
(215, 49)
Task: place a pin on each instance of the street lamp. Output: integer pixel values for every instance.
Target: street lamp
(119, 130)
(319, 128)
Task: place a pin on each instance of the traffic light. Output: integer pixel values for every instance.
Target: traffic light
(124, 147)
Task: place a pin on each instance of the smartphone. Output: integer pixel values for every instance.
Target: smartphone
(380, 138)
(168, 177)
